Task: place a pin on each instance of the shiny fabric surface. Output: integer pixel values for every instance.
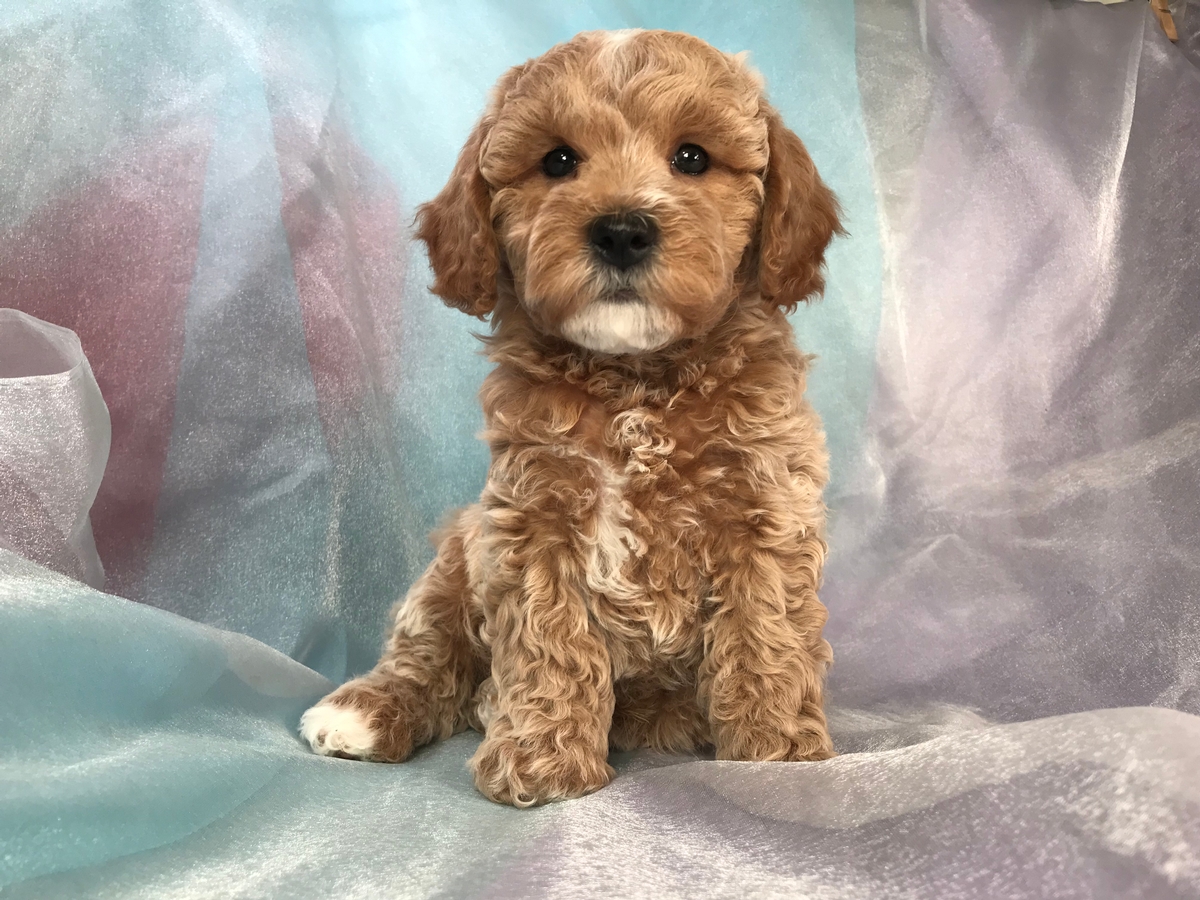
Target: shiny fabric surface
(54, 446)
(215, 197)
(1025, 535)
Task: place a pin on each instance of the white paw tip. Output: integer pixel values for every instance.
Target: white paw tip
(337, 731)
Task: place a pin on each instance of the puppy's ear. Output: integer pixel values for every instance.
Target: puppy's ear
(799, 218)
(456, 227)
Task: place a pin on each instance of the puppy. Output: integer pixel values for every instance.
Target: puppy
(642, 567)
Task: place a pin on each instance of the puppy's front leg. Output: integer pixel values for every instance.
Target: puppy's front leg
(764, 668)
(548, 736)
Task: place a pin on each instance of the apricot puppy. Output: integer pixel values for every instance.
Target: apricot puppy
(642, 567)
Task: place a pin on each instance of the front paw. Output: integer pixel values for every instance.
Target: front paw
(756, 743)
(508, 772)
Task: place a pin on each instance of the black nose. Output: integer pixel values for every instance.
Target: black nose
(623, 240)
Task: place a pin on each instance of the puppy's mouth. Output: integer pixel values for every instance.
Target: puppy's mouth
(623, 295)
(621, 322)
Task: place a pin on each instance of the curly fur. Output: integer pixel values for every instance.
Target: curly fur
(642, 567)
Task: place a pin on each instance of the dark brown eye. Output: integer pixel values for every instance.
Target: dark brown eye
(690, 159)
(559, 162)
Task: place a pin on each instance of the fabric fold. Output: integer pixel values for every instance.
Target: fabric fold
(54, 442)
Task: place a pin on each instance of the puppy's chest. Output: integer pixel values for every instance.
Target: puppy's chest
(646, 541)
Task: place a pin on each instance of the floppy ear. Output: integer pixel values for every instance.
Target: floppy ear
(799, 218)
(456, 227)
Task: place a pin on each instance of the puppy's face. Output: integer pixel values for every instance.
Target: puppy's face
(631, 186)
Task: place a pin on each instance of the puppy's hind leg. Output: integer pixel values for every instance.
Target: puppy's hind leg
(667, 719)
(419, 691)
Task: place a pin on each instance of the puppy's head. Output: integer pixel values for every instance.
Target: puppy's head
(630, 186)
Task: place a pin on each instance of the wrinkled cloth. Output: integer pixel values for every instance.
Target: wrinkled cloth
(216, 200)
(54, 447)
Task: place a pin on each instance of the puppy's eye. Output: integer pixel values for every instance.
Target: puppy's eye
(690, 159)
(559, 162)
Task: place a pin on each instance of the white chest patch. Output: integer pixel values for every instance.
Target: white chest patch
(613, 541)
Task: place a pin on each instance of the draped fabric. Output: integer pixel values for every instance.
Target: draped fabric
(231, 412)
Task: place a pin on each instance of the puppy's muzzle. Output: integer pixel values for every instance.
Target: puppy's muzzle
(623, 240)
